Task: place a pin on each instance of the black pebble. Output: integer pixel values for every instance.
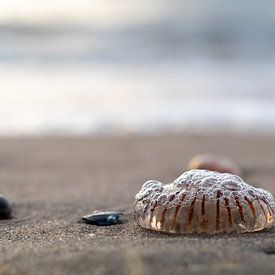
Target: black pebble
(103, 218)
(5, 208)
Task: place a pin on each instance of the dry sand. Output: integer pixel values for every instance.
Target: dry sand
(54, 181)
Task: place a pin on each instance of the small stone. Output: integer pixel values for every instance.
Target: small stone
(5, 208)
(214, 163)
(103, 218)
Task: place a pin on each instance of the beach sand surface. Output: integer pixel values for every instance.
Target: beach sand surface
(54, 181)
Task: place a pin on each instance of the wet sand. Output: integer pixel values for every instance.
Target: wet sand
(54, 181)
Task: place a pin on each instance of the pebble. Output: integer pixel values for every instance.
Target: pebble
(214, 162)
(5, 208)
(103, 218)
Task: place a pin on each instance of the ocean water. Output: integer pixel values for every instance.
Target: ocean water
(120, 67)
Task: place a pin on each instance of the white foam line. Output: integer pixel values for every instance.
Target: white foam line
(137, 99)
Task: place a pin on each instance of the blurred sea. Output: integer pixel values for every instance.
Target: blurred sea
(119, 67)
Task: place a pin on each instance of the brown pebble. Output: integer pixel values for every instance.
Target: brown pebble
(214, 163)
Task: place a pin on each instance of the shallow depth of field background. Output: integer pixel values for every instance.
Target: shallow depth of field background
(122, 66)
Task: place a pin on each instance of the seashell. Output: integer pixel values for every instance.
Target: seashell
(5, 208)
(103, 218)
(202, 201)
(214, 163)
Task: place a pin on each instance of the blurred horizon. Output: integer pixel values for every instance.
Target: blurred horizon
(118, 67)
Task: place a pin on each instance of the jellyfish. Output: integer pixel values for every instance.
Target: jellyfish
(202, 201)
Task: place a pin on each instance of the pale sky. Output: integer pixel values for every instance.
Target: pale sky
(98, 12)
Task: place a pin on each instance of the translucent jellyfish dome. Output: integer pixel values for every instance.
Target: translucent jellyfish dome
(202, 201)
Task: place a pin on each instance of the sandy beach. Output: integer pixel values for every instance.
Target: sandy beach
(54, 181)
